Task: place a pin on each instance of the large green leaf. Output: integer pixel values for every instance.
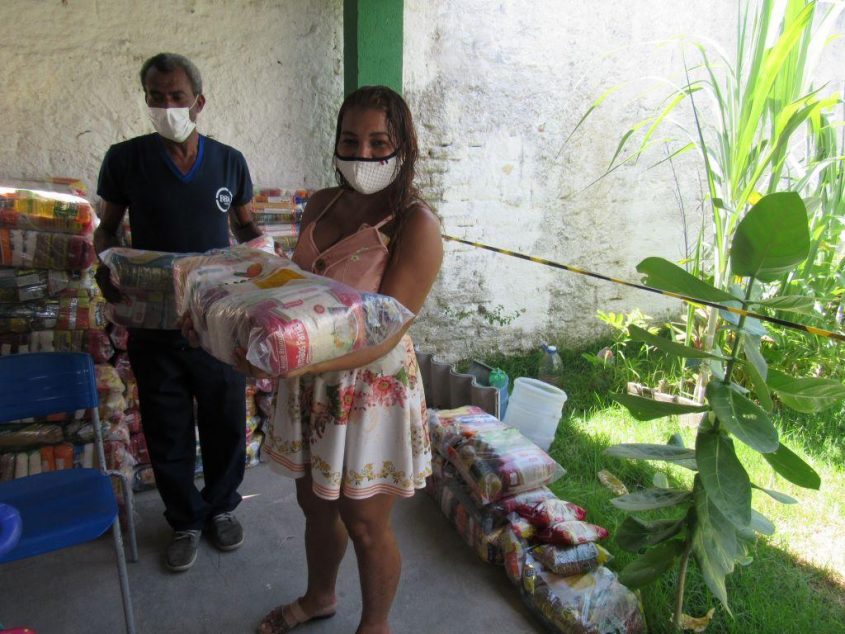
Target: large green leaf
(742, 418)
(643, 451)
(661, 343)
(714, 545)
(761, 524)
(667, 276)
(783, 498)
(806, 395)
(793, 468)
(648, 409)
(772, 239)
(650, 566)
(790, 303)
(757, 369)
(650, 499)
(633, 534)
(723, 476)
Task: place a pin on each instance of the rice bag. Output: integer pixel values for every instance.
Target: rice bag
(501, 462)
(571, 533)
(284, 317)
(552, 511)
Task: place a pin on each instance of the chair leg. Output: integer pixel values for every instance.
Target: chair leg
(129, 502)
(128, 615)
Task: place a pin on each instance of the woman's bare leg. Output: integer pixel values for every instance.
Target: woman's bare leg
(379, 564)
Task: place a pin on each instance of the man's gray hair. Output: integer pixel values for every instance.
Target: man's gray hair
(167, 63)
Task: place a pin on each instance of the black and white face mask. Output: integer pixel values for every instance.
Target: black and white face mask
(369, 175)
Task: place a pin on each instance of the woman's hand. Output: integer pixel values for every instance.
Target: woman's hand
(186, 325)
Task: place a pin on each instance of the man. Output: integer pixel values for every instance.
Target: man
(183, 191)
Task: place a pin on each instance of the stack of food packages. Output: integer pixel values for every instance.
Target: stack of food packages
(491, 482)
(50, 302)
(279, 212)
(145, 278)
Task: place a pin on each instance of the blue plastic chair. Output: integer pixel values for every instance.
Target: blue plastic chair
(63, 508)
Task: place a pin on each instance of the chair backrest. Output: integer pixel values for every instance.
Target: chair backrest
(42, 383)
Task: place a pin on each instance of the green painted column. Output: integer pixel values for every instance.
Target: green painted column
(372, 43)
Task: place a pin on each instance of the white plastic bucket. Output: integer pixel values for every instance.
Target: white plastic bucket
(534, 408)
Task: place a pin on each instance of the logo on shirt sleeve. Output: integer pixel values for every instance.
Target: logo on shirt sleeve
(223, 198)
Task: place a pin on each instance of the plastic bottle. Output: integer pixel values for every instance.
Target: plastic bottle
(550, 366)
(499, 379)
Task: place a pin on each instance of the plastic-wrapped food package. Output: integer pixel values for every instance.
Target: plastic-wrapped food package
(573, 560)
(592, 603)
(143, 478)
(509, 503)
(26, 436)
(571, 533)
(133, 420)
(502, 462)
(108, 380)
(123, 367)
(155, 310)
(43, 250)
(55, 207)
(253, 449)
(449, 427)
(285, 318)
(548, 512)
(7, 466)
(138, 448)
(479, 528)
(94, 342)
(264, 403)
(26, 285)
(268, 386)
(82, 312)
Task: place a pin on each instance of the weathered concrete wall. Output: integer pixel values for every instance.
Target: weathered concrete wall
(497, 87)
(272, 74)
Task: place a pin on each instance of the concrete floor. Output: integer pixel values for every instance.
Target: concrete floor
(444, 588)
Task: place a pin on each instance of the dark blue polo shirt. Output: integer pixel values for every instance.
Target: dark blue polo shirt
(168, 210)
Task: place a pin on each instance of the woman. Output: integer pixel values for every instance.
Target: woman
(352, 431)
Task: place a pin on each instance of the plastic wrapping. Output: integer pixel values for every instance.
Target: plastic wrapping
(146, 280)
(108, 380)
(571, 533)
(509, 503)
(592, 603)
(552, 511)
(502, 462)
(478, 527)
(81, 312)
(94, 342)
(26, 436)
(450, 427)
(43, 250)
(574, 560)
(285, 318)
(25, 285)
(43, 206)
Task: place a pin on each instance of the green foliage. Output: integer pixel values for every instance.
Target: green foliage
(720, 522)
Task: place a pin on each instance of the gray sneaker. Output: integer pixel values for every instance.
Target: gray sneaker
(182, 550)
(226, 531)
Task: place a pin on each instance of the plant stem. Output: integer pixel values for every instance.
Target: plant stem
(682, 577)
(738, 336)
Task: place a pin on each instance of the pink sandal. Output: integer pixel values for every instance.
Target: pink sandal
(286, 617)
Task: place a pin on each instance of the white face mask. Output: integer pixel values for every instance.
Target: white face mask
(173, 123)
(369, 176)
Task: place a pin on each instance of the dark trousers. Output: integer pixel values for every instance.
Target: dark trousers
(170, 374)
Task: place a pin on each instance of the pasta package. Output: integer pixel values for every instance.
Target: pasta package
(284, 317)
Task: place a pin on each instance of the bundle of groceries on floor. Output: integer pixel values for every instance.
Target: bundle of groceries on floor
(246, 297)
(491, 482)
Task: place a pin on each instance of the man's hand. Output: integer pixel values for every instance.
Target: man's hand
(111, 292)
(186, 325)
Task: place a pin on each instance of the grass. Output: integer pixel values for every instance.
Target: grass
(794, 584)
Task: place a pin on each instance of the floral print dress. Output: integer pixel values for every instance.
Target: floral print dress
(358, 432)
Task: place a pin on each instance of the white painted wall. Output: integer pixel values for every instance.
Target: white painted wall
(69, 86)
(496, 88)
